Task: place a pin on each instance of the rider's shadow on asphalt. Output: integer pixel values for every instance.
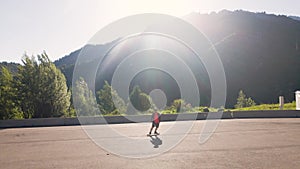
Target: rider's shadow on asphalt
(156, 141)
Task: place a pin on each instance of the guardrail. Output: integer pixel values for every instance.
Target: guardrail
(43, 122)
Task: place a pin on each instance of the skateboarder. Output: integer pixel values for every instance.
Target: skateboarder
(155, 122)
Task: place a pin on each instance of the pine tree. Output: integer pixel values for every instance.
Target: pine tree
(243, 101)
(109, 101)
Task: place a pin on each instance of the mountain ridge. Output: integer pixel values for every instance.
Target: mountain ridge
(260, 53)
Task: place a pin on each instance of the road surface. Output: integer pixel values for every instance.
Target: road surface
(237, 143)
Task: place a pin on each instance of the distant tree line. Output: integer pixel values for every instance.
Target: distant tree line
(38, 90)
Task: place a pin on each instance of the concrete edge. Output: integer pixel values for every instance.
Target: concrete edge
(44, 122)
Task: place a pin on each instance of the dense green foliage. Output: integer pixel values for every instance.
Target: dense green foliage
(42, 88)
(243, 101)
(84, 100)
(180, 106)
(110, 102)
(140, 101)
(9, 108)
(37, 90)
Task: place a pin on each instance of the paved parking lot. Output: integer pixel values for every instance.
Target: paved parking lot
(237, 143)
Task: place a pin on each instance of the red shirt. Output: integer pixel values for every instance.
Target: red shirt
(156, 118)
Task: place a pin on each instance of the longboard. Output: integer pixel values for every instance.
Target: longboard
(149, 135)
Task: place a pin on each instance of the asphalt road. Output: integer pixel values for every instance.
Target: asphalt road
(237, 143)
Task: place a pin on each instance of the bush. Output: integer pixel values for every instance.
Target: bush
(180, 106)
(243, 101)
(139, 100)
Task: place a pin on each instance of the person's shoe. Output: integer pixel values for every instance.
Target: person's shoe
(156, 133)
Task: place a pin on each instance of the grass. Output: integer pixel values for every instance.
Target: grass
(287, 106)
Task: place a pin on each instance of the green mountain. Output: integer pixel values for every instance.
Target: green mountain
(260, 53)
(12, 67)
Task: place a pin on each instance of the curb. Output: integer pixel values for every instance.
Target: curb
(46, 122)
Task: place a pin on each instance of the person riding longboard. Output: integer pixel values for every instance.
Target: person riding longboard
(155, 123)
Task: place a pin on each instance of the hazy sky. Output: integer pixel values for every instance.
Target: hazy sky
(62, 26)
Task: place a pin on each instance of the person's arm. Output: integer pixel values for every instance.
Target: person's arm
(159, 116)
(152, 117)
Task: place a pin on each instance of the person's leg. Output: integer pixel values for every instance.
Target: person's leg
(156, 127)
(151, 128)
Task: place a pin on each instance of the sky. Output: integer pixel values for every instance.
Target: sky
(59, 27)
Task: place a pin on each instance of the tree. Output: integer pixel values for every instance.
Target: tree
(243, 101)
(180, 106)
(140, 101)
(109, 101)
(26, 84)
(83, 99)
(42, 88)
(144, 101)
(9, 104)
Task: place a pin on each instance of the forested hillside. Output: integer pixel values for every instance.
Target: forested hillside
(260, 53)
